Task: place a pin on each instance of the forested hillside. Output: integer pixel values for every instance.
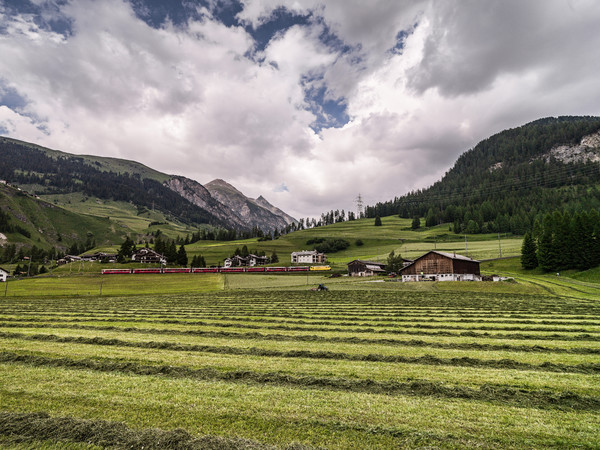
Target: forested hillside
(24, 165)
(511, 179)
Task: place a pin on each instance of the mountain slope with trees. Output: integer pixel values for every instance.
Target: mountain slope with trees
(43, 171)
(510, 180)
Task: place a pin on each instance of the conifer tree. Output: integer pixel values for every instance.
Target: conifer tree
(377, 221)
(546, 251)
(529, 259)
(182, 258)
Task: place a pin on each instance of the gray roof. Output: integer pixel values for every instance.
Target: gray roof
(453, 256)
(368, 263)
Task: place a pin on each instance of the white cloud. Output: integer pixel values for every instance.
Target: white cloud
(187, 100)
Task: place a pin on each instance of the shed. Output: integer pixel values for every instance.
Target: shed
(442, 266)
(358, 268)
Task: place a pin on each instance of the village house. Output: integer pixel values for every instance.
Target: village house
(4, 274)
(358, 268)
(308, 257)
(254, 260)
(148, 256)
(235, 261)
(250, 260)
(442, 266)
(68, 259)
(100, 256)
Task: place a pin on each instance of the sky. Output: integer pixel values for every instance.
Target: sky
(306, 102)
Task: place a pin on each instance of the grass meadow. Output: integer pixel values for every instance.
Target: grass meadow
(261, 361)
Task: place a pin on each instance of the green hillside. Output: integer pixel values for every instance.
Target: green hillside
(51, 226)
(102, 163)
(377, 242)
(511, 179)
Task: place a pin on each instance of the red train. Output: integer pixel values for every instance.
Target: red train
(208, 270)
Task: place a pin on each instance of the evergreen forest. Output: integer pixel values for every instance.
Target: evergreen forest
(505, 183)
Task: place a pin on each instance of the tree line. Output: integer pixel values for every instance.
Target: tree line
(563, 241)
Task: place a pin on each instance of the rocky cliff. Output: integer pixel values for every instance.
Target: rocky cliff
(259, 213)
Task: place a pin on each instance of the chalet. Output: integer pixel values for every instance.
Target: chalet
(148, 256)
(235, 261)
(100, 256)
(442, 266)
(308, 257)
(358, 268)
(68, 259)
(254, 260)
(250, 260)
(4, 274)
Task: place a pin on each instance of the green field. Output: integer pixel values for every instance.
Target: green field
(252, 361)
(394, 234)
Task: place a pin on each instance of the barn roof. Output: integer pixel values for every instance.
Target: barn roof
(368, 263)
(452, 256)
(444, 254)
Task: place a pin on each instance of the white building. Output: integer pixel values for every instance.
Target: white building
(308, 257)
(3, 274)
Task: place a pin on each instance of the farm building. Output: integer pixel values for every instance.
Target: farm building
(309, 257)
(3, 274)
(442, 266)
(254, 260)
(68, 259)
(235, 261)
(358, 268)
(148, 256)
(250, 260)
(100, 256)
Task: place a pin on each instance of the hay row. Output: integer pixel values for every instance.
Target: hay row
(500, 394)
(315, 338)
(39, 426)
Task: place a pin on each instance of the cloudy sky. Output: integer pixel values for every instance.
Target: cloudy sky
(307, 102)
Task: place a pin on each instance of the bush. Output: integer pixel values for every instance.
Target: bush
(328, 245)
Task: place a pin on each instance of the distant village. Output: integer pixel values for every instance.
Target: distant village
(432, 266)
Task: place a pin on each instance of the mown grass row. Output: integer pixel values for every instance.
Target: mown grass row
(505, 363)
(309, 337)
(35, 427)
(346, 321)
(346, 301)
(496, 394)
(350, 328)
(536, 348)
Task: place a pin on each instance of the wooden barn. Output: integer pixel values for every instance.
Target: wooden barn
(442, 266)
(358, 268)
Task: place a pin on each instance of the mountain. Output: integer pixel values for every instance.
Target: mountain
(51, 173)
(511, 179)
(252, 212)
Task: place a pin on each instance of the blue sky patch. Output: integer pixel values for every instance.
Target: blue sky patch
(10, 98)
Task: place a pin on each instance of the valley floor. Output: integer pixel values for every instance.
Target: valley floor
(248, 361)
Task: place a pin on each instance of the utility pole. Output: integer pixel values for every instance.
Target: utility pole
(466, 247)
(29, 266)
(359, 206)
(499, 246)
